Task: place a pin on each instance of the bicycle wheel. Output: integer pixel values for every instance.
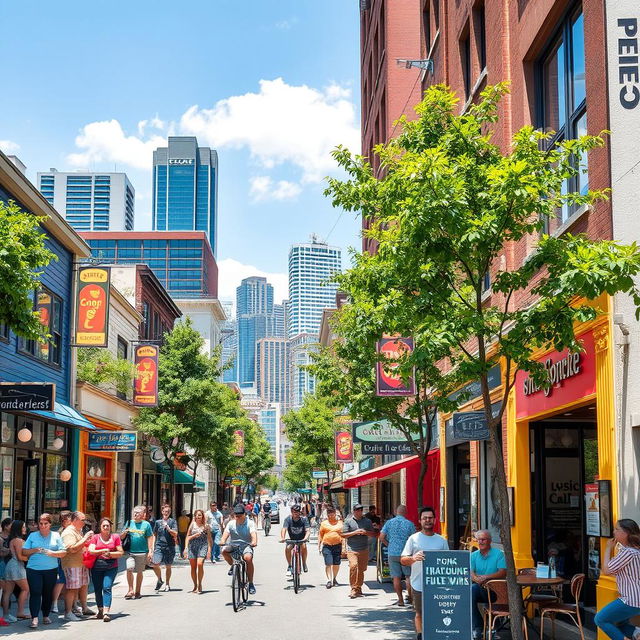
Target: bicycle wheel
(236, 586)
(245, 583)
(295, 566)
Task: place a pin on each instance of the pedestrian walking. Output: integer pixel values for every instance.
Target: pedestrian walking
(413, 555)
(106, 546)
(357, 530)
(65, 521)
(42, 549)
(330, 546)
(76, 575)
(215, 521)
(199, 544)
(163, 542)
(394, 536)
(226, 513)
(377, 525)
(15, 572)
(183, 524)
(5, 554)
(139, 531)
(613, 619)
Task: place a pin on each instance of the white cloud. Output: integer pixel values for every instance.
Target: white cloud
(285, 25)
(106, 141)
(9, 146)
(264, 188)
(231, 272)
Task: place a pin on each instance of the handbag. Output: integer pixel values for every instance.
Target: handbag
(88, 559)
(126, 541)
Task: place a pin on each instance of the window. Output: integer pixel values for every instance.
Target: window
(563, 107)
(4, 331)
(123, 348)
(465, 60)
(480, 30)
(50, 308)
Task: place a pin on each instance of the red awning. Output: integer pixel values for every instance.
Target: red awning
(367, 477)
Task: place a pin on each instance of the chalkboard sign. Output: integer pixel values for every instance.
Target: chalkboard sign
(446, 595)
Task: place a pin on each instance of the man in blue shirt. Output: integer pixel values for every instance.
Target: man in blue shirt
(394, 535)
(487, 563)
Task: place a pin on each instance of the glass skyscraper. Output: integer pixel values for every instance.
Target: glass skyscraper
(229, 337)
(272, 370)
(185, 188)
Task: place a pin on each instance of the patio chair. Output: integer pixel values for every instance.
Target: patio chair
(499, 608)
(535, 597)
(571, 610)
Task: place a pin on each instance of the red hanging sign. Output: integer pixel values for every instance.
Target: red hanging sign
(145, 384)
(389, 383)
(92, 307)
(344, 447)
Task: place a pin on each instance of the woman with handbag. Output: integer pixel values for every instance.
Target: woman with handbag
(136, 544)
(102, 559)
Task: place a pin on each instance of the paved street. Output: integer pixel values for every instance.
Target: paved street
(275, 612)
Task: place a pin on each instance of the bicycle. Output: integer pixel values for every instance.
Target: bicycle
(296, 562)
(266, 525)
(239, 583)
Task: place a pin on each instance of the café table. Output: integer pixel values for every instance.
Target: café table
(531, 581)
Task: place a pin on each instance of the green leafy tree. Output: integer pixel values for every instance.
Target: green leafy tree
(447, 204)
(297, 472)
(23, 257)
(311, 429)
(100, 368)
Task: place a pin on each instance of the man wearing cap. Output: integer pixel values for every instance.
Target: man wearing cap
(295, 527)
(240, 532)
(357, 530)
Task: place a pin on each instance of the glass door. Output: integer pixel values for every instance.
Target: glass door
(27, 489)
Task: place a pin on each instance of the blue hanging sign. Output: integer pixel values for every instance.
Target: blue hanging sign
(113, 440)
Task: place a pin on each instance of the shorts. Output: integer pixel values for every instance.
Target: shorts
(396, 569)
(417, 601)
(290, 545)
(61, 579)
(332, 554)
(163, 555)
(230, 547)
(136, 562)
(76, 577)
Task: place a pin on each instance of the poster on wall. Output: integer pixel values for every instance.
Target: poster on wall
(388, 382)
(606, 521)
(343, 447)
(592, 508)
(92, 307)
(145, 383)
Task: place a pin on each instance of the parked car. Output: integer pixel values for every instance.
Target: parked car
(275, 513)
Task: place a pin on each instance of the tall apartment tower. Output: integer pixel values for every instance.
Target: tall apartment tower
(311, 266)
(90, 201)
(185, 188)
(254, 320)
(272, 370)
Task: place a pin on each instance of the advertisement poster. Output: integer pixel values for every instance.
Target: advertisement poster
(344, 447)
(238, 442)
(145, 383)
(92, 307)
(592, 508)
(388, 383)
(446, 595)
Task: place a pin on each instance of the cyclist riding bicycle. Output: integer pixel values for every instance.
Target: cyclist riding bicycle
(240, 532)
(266, 511)
(295, 527)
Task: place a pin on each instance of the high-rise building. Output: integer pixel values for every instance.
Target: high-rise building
(279, 327)
(185, 188)
(254, 320)
(90, 201)
(272, 370)
(301, 381)
(311, 266)
(229, 339)
(269, 419)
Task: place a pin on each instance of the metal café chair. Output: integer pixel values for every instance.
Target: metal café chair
(571, 610)
(499, 608)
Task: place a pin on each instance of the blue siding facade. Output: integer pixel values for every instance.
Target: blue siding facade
(19, 367)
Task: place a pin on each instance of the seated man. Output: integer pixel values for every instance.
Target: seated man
(487, 563)
(295, 527)
(240, 532)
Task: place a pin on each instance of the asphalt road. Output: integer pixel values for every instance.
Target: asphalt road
(274, 613)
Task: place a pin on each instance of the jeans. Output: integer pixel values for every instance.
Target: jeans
(102, 583)
(215, 552)
(614, 619)
(358, 561)
(478, 596)
(41, 584)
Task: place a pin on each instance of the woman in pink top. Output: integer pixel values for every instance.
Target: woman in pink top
(107, 546)
(625, 566)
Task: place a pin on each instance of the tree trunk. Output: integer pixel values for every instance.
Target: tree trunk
(424, 465)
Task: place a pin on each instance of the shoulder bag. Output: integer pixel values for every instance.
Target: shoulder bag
(126, 540)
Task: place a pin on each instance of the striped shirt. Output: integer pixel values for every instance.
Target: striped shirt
(626, 568)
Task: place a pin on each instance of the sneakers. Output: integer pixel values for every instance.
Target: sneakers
(71, 617)
(289, 569)
(54, 608)
(252, 589)
(329, 584)
(10, 618)
(159, 584)
(230, 572)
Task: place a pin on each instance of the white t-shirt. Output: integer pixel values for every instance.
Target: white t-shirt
(420, 542)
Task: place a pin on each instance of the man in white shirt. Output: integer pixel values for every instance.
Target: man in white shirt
(413, 555)
(214, 519)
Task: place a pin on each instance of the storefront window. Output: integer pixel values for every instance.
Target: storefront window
(6, 459)
(8, 427)
(37, 431)
(57, 438)
(55, 490)
(96, 497)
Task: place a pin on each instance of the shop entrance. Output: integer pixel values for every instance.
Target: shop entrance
(564, 458)
(462, 491)
(25, 506)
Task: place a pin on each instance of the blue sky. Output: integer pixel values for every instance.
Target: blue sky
(272, 84)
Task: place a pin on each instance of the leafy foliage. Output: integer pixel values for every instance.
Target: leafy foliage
(99, 367)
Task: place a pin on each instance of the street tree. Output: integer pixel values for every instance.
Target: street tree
(298, 470)
(23, 257)
(447, 204)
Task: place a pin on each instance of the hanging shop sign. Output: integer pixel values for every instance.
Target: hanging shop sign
(343, 447)
(572, 376)
(145, 383)
(27, 396)
(238, 443)
(92, 307)
(380, 438)
(319, 474)
(113, 441)
(446, 595)
(470, 425)
(389, 383)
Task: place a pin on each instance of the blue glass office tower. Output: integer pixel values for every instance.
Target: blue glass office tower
(185, 188)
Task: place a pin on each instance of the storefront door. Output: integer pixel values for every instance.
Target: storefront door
(565, 457)
(462, 490)
(27, 487)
